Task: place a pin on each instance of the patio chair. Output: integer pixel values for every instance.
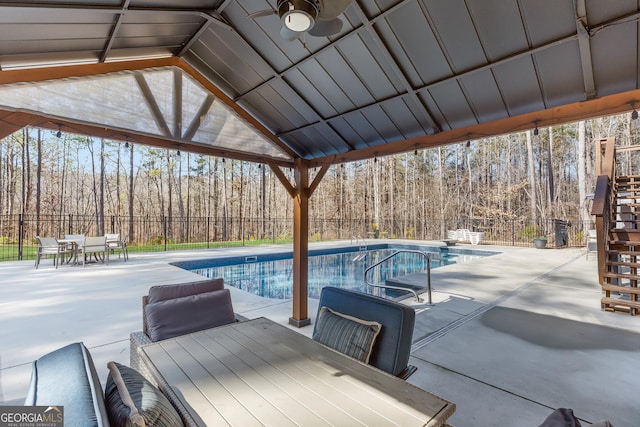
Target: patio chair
(171, 309)
(391, 346)
(74, 242)
(95, 246)
(476, 237)
(79, 238)
(50, 246)
(114, 243)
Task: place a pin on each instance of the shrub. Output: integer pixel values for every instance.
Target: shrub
(529, 232)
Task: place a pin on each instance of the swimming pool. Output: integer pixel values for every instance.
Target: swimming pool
(271, 275)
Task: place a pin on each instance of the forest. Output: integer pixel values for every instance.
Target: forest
(511, 186)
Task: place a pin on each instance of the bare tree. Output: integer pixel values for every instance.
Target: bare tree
(532, 178)
(582, 184)
(131, 235)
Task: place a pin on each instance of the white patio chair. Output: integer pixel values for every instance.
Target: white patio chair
(50, 246)
(464, 234)
(74, 242)
(114, 243)
(475, 237)
(95, 246)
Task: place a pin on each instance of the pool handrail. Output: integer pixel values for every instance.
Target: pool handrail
(359, 240)
(385, 286)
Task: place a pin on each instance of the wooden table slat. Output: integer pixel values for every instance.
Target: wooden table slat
(287, 379)
(240, 381)
(166, 366)
(261, 373)
(338, 397)
(390, 389)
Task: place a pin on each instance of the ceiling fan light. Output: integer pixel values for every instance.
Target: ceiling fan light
(297, 21)
(297, 15)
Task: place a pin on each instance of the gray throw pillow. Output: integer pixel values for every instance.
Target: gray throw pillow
(180, 316)
(346, 334)
(166, 292)
(132, 401)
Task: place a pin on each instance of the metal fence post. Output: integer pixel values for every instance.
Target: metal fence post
(164, 231)
(20, 235)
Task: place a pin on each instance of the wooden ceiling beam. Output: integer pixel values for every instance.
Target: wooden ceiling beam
(11, 122)
(17, 120)
(88, 70)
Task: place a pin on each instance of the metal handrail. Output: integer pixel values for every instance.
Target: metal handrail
(363, 242)
(385, 286)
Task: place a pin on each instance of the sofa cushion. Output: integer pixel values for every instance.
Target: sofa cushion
(346, 334)
(166, 292)
(179, 316)
(67, 377)
(392, 347)
(131, 400)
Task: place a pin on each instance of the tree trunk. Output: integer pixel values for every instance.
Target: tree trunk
(39, 181)
(532, 179)
(585, 215)
(101, 230)
(441, 193)
(179, 200)
(376, 195)
(552, 196)
(225, 213)
(29, 195)
(94, 183)
(131, 236)
(170, 179)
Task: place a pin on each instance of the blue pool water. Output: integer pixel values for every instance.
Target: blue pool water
(271, 275)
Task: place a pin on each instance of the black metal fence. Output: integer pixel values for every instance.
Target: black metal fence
(147, 234)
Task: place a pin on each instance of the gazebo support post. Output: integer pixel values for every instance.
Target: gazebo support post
(300, 316)
(300, 192)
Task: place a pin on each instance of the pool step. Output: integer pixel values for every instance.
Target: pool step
(359, 257)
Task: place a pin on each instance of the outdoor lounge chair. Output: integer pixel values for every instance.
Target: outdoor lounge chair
(51, 246)
(392, 346)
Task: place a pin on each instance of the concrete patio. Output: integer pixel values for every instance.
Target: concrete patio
(510, 337)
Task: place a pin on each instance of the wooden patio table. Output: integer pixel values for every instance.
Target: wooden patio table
(260, 373)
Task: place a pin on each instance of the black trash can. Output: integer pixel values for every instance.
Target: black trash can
(562, 232)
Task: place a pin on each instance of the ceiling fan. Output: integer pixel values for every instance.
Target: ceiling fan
(315, 17)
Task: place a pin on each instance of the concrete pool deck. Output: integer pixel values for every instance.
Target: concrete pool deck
(509, 338)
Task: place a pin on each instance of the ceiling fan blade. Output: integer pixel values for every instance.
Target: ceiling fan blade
(331, 9)
(326, 28)
(288, 35)
(262, 13)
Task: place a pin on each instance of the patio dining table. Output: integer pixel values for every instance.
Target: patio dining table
(73, 244)
(261, 373)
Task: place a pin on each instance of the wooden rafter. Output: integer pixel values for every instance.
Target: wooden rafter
(88, 70)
